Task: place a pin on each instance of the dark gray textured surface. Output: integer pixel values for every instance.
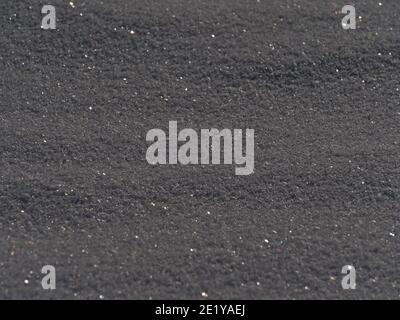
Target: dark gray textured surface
(76, 190)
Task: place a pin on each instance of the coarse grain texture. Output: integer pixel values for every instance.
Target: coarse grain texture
(76, 191)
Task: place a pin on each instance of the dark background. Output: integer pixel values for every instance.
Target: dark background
(76, 190)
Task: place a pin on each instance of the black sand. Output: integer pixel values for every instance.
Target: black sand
(76, 191)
